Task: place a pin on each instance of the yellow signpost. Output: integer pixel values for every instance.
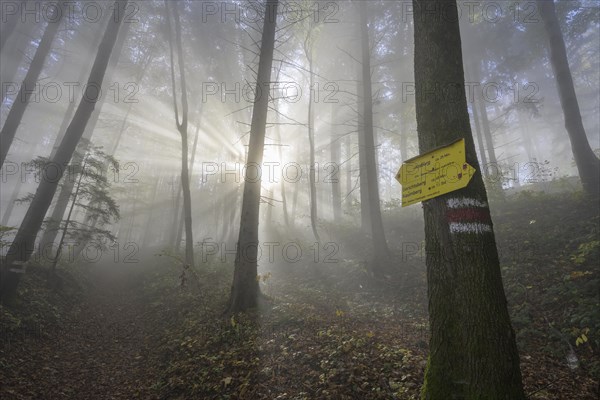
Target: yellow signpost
(434, 173)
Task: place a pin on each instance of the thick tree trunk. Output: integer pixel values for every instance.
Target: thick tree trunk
(21, 102)
(245, 289)
(473, 353)
(587, 163)
(22, 247)
(381, 252)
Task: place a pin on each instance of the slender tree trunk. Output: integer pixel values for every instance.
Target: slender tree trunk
(365, 217)
(22, 247)
(526, 137)
(348, 173)
(587, 163)
(68, 220)
(473, 353)
(381, 253)
(187, 203)
(152, 206)
(284, 204)
(280, 151)
(129, 233)
(336, 193)
(311, 138)
(21, 102)
(191, 168)
(182, 128)
(88, 219)
(495, 178)
(245, 289)
(62, 202)
(295, 203)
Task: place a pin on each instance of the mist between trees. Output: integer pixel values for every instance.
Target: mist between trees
(230, 172)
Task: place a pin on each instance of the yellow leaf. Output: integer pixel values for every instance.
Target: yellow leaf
(370, 334)
(339, 313)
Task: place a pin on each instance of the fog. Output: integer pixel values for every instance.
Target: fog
(331, 229)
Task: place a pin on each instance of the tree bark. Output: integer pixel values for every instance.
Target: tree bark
(473, 353)
(311, 137)
(22, 246)
(245, 289)
(13, 120)
(365, 220)
(152, 207)
(191, 168)
(381, 256)
(284, 205)
(335, 149)
(348, 173)
(587, 163)
(182, 128)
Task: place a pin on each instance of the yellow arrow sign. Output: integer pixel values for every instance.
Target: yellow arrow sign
(434, 173)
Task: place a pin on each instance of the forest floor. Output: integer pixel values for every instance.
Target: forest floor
(327, 330)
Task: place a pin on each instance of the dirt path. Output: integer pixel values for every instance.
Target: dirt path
(102, 353)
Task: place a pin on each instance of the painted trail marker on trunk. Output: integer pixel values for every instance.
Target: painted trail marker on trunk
(437, 172)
